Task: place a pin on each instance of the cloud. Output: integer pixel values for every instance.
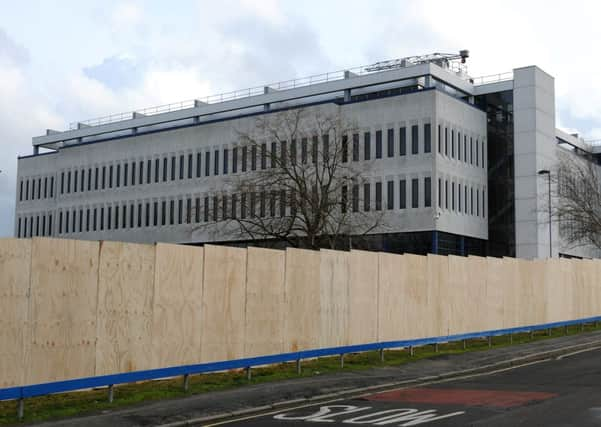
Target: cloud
(11, 52)
(116, 72)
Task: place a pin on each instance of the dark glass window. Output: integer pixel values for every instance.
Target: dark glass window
(62, 186)
(477, 202)
(471, 150)
(414, 140)
(188, 210)
(155, 213)
(125, 174)
(163, 212)
(439, 193)
(367, 146)
(216, 163)
(446, 194)
(378, 196)
(103, 177)
(147, 215)
(235, 160)
(402, 194)
(355, 147)
(181, 166)
(180, 211)
(197, 209)
(244, 158)
(366, 196)
(355, 196)
(452, 144)
(390, 142)
(427, 138)
(465, 148)
(403, 141)
(477, 152)
(283, 153)
(378, 144)
(133, 173)
(483, 154)
(465, 198)
(471, 201)
(190, 165)
(110, 185)
(293, 151)
(226, 159)
(414, 193)
(390, 195)
(453, 196)
(304, 151)
(96, 179)
(314, 149)
(243, 205)
(164, 169)
(172, 168)
(262, 204)
(326, 147)
(46, 185)
(198, 164)
(69, 178)
(131, 216)
(20, 197)
(75, 176)
(272, 155)
(171, 212)
(446, 141)
(343, 199)
(439, 139)
(263, 156)
(344, 148)
(458, 145)
(117, 177)
(427, 192)
(253, 158)
(207, 163)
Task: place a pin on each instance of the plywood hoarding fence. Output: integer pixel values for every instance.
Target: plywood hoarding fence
(71, 309)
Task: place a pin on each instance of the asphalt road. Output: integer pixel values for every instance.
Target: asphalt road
(563, 391)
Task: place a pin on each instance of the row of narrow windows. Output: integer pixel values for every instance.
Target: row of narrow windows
(460, 198)
(241, 158)
(450, 144)
(262, 203)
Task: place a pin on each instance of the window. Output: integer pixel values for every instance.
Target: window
(253, 158)
(62, 186)
(171, 212)
(446, 141)
(117, 178)
(46, 186)
(414, 193)
(19, 228)
(293, 151)
(366, 196)
(343, 199)
(226, 159)
(459, 197)
(446, 194)
(344, 148)
(172, 168)
(483, 205)
(427, 192)
(163, 212)
(155, 213)
(452, 144)
(216, 163)
(108, 218)
(272, 155)
(453, 196)
(471, 200)
(262, 204)
(465, 198)
(89, 181)
(190, 165)
(197, 209)
(181, 166)
(414, 140)
(355, 147)
(242, 206)
(103, 178)
(314, 149)
(471, 150)
(263, 156)
(483, 155)
(390, 141)
(304, 151)
(355, 196)
(133, 173)
(427, 138)
(207, 163)
(180, 211)
(403, 141)
(235, 160)
(95, 220)
(60, 223)
(96, 178)
(20, 197)
(253, 200)
(125, 174)
(458, 145)
(149, 171)
(378, 144)
(69, 182)
(80, 220)
(390, 195)
(188, 210)
(439, 193)
(283, 153)
(75, 174)
(402, 194)
(131, 216)
(477, 151)
(87, 220)
(147, 215)
(198, 164)
(164, 169)
(465, 148)
(282, 203)
(439, 139)
(224, 210)
(378, 196)
(244, 158)
(477, 202)
(366, 146)
(116, 217)
(325, 139)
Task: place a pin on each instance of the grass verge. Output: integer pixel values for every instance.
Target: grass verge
(64, 405)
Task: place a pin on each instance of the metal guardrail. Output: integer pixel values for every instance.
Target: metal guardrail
(22, 392)
(493, 78)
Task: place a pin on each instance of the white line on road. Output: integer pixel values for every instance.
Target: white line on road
(563, 356)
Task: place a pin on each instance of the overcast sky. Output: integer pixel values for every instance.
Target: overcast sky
(64, 60)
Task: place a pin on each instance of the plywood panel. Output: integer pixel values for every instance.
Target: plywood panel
(264, 302)
(438, 293)
(476, 313)
(334, 298)
(497, 278)
(223, 312)
(391, 297)
(363, 297)
(417, 316)
(64, 286)
(125, 292)
(512, 292)
(302, 300)
(459, 317)
(15, 263)
(177, 305)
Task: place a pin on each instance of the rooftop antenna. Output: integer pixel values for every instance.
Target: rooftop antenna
(450, 61)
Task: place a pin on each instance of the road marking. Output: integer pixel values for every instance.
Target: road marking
(563, 356)
(446, 380)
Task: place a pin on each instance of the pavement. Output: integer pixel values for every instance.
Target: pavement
(556, 382)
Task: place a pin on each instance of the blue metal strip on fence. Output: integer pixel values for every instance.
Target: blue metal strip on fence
(152, 374)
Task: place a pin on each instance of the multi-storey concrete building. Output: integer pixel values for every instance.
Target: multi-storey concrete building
(454, 160)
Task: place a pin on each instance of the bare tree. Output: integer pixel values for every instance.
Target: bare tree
(576, 189)
(298, 184)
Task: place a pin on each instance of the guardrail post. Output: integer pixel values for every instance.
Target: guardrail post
(464, 344)
(111, 393)
(411, 352)
(435, 347)
(489, 341)
(582, 327)
(565, 329)
(531, 335)
(381, 355)
(248, 374)
(298, 367)
(342, 360)
(511, 338)
(548, 332)
(186, 382)
(21, 409)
